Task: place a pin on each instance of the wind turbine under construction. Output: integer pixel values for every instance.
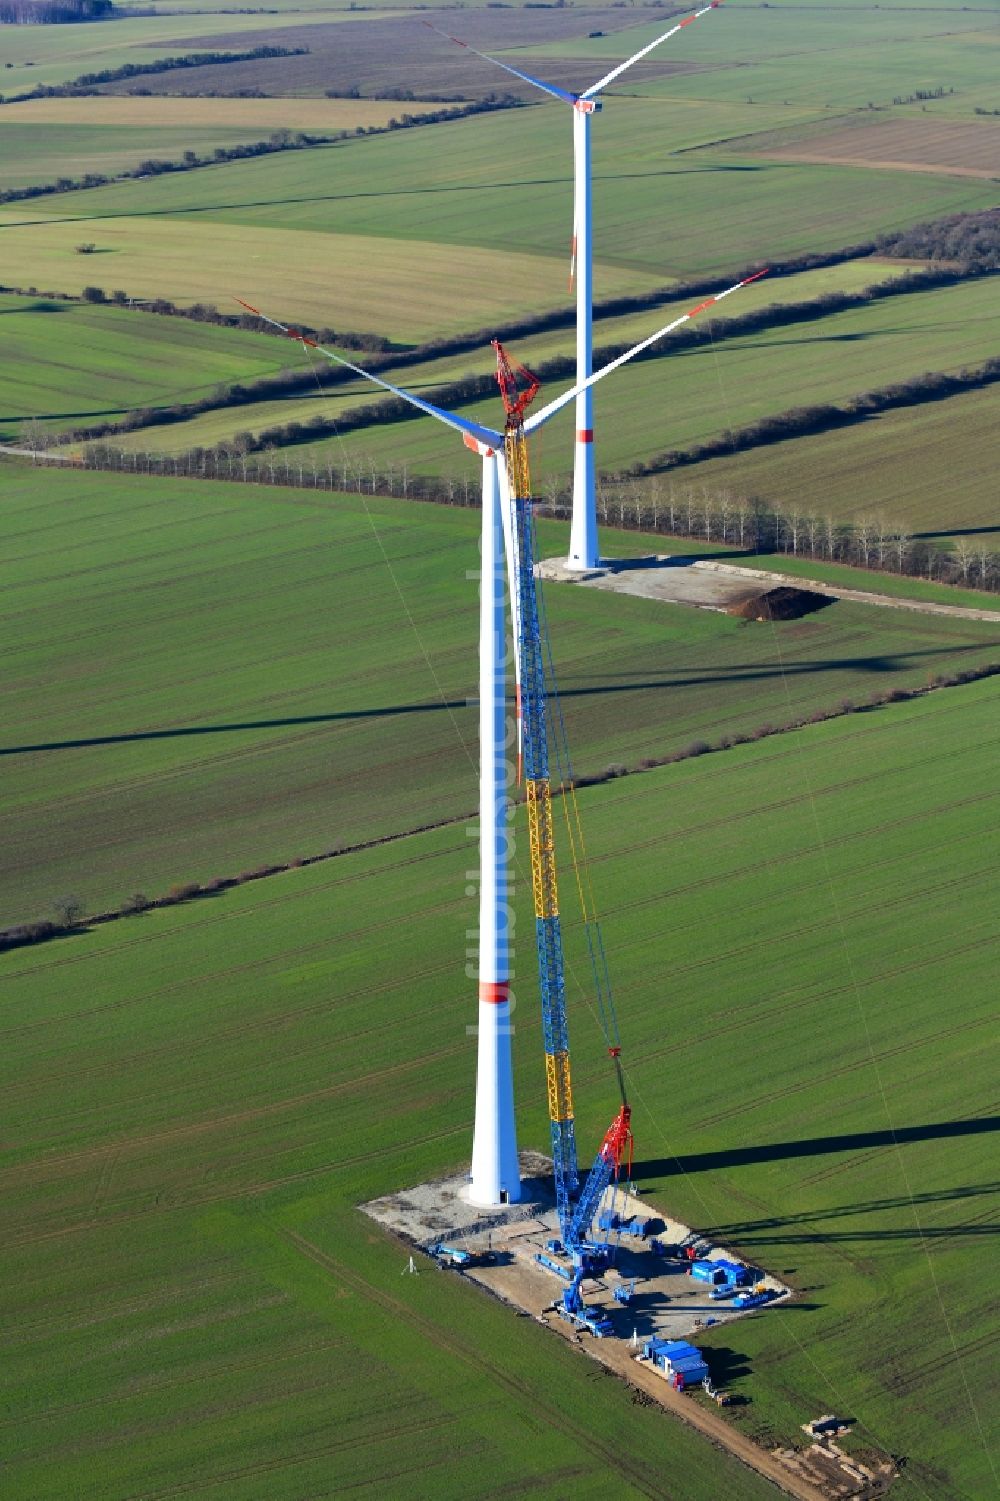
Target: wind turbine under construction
(583, 548)
(508, 526)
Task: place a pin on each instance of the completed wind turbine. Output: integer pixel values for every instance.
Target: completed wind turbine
(495, 1177)
(583, 549)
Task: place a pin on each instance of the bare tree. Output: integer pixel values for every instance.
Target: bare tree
(864, 539)
(965, 556)
(902, 543)
(68, 909)
(987, 565)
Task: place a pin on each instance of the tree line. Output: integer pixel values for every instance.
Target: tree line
(876, 543)
(90, 81)
(474, 387)
(970, 241)
(53, 12)
(69, 912)
(278, 140)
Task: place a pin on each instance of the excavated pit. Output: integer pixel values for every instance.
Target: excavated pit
(780, 604)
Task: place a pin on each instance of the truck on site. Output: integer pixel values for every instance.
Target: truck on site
(452, 1256)
(755, 1299)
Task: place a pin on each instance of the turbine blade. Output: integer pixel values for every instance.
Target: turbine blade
(475, 430)
(553, 407)
(572, 258)
(538, 83)
(595, 88)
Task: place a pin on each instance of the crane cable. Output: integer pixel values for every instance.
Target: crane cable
(574, 827)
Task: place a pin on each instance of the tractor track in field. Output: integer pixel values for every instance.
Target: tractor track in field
(690, 831)
(244, 1191)
(868, 1061)
(904, 1386)
(210, 1124)
(820, 925)
(194, 551)
(152, 1387)
(786, 752)
(276, 1022)
(455, 1346)
(780, 863)
(388, 629)
(424, 1424)
(793, 800)
(273, 957)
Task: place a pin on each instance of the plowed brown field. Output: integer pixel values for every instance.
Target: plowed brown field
(965, 149)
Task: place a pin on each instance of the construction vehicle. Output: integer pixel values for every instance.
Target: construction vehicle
(577, 1207)
(753, 1299)
(450, 1256)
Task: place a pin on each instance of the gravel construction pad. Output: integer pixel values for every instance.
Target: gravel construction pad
(672, 579)
(666, 1301)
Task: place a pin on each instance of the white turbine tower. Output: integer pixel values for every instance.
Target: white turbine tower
(583, 548)
(495, 1176)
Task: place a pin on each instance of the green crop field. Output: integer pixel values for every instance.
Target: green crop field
(60, 54)
(933, 467)
(354, 281)
(177, 654)
(204, 680)
(674, 398)
(133, 359)
(193, 1304)
(221, 423)
(723, 211)
(40, 153)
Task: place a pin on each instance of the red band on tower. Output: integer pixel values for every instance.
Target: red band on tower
(585, 435)
(496, 993)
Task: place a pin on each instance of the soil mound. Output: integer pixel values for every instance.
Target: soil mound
(780, 604)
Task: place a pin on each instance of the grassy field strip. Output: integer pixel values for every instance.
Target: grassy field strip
(248, 118)
(374, 277)
(220, 425)
(160, 1178)
(931, 466)
(722, 212)
(921, 145)
(217, 679)
(62, 57)
(674, 398)
(741, 33)
(792, 57)
(33, 153)
(850, 78)
(66, 362)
